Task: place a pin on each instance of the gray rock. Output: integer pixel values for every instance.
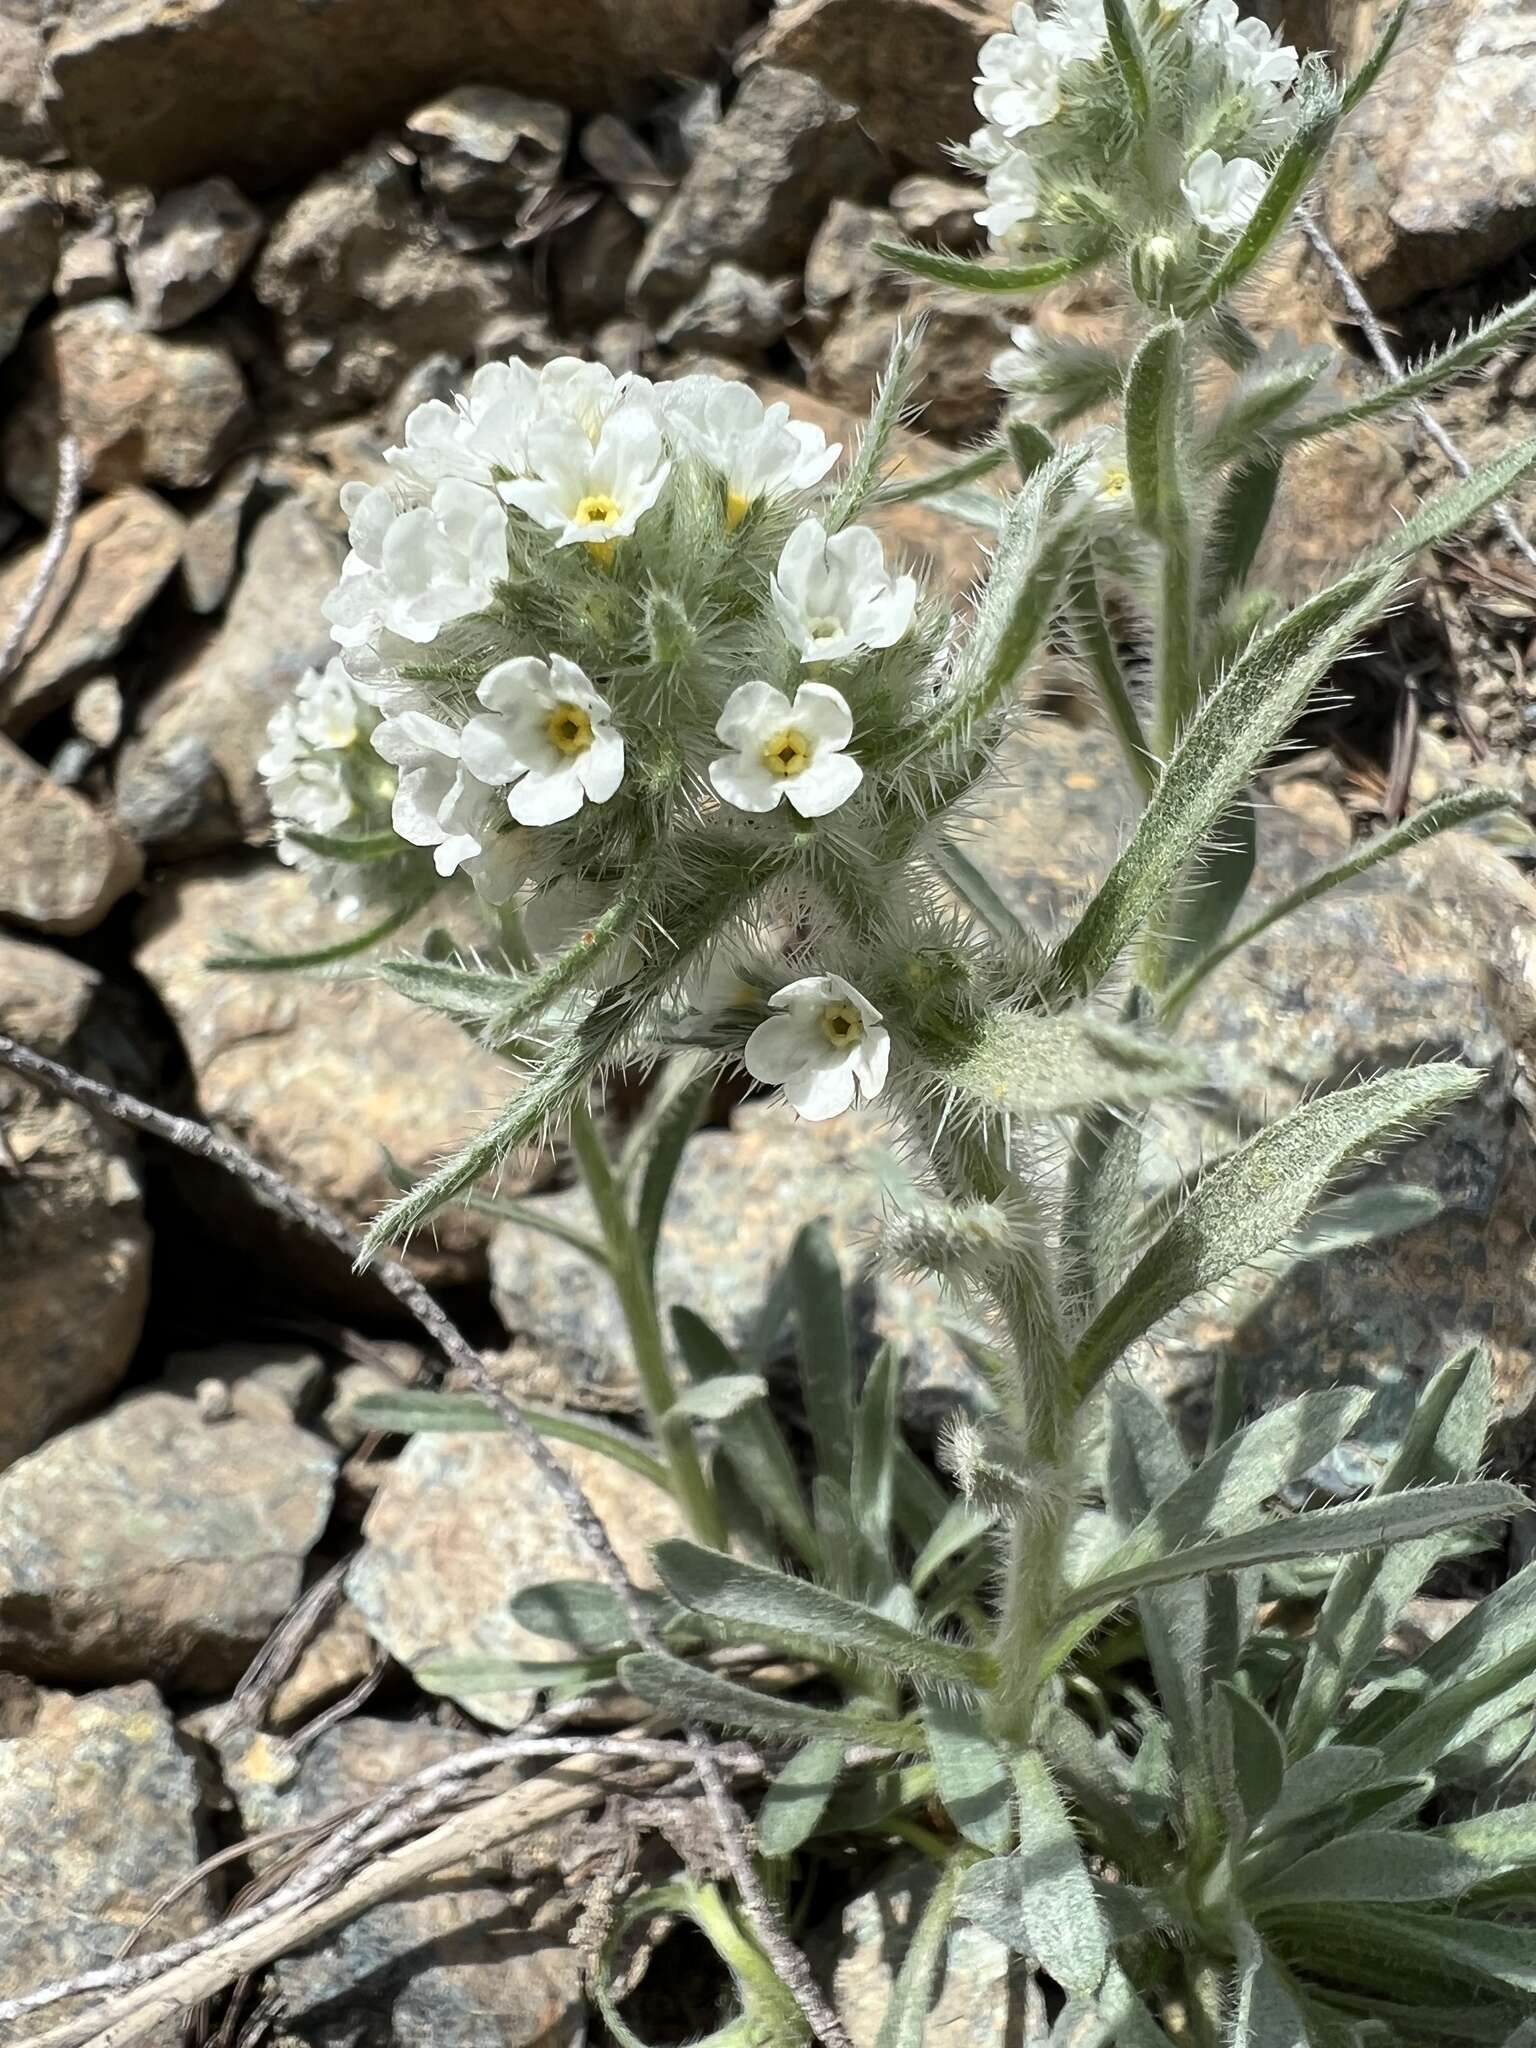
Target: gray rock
(979, 2001)
(841, 259)
(482, 148)
(592, 260)
(266, 90)
(362, 287)
(316, 1076)
(940, 212)
(119, 555)
(90, 265)
(1432, 954)
(222, 697)
(758, 186)
(910, 82)
(954, 386)
(1435, 177)
(150, 1543)
(190, 250)
(452, 1964)
(739, 1200)
(337, 1657)
(96, 712)
(262, 1382)
(29, 249)
(211, 553)
(99, 1820)
(63, 862)
(74, 1245)
(734, 311)
(145, 408)
(460, 1526)
(24, 130)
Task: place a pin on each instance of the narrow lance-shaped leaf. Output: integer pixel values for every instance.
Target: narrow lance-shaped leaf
(876, 1435)
(666, 1156)
(1036, 1066)
(798, 1797)
(248, 959)
(905, 2024)
(1250, 1201)
(1130, 58)
(825, 1348)
(751, 1602)
(1443, 814)
(952, 477)
(1249, 712)
(1390, 1864)
(974, 1783)
(874, 444)
(416, 1412)
(1326, 1532)
(1263, 406)
(1386, 42)
(1239, 524)
(703, 1695)
(1009, 279)
(1040, 1901)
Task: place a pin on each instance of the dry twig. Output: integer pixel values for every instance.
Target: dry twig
(277, 1193)
(66, 503)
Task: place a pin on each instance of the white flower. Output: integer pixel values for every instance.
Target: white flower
(826, 1047)
(319, 776)
(1013, 199)
(834, 595)
(485, 428)
(1223, 196)
(786, 750)
(439, 803)
(590, 394)
(1016, 368)
(544, 731)
(592, 491)
(1081, 22)
(415, 568)
(1252, 54)
(1104, 481)
(758, 450)
(1019, 83)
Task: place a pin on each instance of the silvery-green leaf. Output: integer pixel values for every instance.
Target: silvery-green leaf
(1040, 1901)
(905, 2024)
(717, 1400)
(1238, 526)
(1316, 1783)
(1036, 1066)
(1251, 1200)
(825, 1347)
(1396, 1865)
(414, 1412)
(876, 1434)
(697, 1694)
(1254, 1753)
(893, 394)
(973, 1775)
(1007, 279)
(797, 1798)
(672, 1132)
(1501, 1840)
(752, 1603)
(582, 1612)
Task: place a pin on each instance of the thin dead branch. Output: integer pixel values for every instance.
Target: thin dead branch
(66, 503)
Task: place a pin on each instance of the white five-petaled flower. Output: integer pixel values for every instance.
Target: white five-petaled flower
(758, 450)
(1013, 200)
(592, 490)
(1253, 55)
(304, 765)
(544, 731)
(826, 1047)
(1104, 481)
(414, 569)
(1018, 86)
(834, 595)
(1223, 196)
(786, 750)
(440, 803)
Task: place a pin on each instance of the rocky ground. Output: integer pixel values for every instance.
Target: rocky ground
(238, 240)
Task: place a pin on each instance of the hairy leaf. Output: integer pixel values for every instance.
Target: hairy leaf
(415, 1413)
(1008, 278)
(973, 1776)
(797, 1798)
(825, 1348)
(1393, 1864)
(697, 1694)
(1040, 1901)
(1037, 1066)
(905, 2024)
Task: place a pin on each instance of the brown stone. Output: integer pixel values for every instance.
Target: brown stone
(29, 247)
(63, 863)
(119, 555)
(265, 90)
(146, 408)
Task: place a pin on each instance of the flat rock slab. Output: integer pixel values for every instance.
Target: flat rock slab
(98, 1821)
(150, 1543)
(461, 1525)
(317, 1077)
(74, 1243)
(265, 89)
(452, 1964)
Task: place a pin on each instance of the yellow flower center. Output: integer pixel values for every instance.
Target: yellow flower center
(842, 1024)
(787, 753)
(825, 629)
(737, 506)
(1115, 483)
(598, 509)
(569, 728)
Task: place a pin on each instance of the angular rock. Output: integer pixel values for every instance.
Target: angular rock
(735, 311)
(265, 90)
(145, 409)
(460, 1526)
(1434, 178)
(213, 710)
(152, 1544)
(450, 1964)
(315, 1076)
(757, 188)
(262, 1382)
(336, 1658)
(211, 554)
(90, 266)
(841, 260)
(980, 1994)
(1431, 954)
(910, 83)
(940, 212)
(29, 248)
(592, 260)
(190, 250)
(954, 386)
(99, 1820)
(482, 148)
(362, 286)
(740, 1197)
(74, 1245)
(119, 555)
(24, 130)
(96, 711)
(63, 863)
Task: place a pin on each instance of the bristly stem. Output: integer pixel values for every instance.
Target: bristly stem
(642, 1321)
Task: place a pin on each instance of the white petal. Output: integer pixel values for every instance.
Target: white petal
(742, 781)
(546, 799)
(829, 781)
(778, 1049)
(511, 684)
(822, 714)
(871, 1062)
(601, 767)
(752, 711)
(820, 1092)
(488, 750)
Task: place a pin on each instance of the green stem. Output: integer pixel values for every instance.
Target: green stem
(1098, 649)
(637, 1302)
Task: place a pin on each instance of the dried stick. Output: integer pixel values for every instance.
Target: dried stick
(1364, 313)
(248, 1703)
(278, 1193)
(66, 503)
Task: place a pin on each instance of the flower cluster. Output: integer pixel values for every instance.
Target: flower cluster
(1052, 150)
(585, 605)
